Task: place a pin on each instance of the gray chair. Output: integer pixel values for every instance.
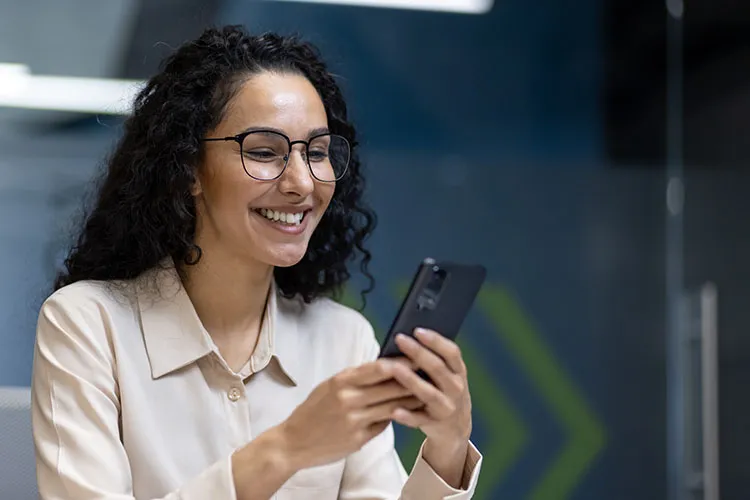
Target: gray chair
(17, 467)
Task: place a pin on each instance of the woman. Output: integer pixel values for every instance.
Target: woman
(190, 351)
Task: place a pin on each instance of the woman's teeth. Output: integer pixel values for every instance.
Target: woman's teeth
(287, 218)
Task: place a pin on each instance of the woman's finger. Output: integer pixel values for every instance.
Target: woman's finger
(443, 347)
(376, 394)
(432, 364)
(437, 403)
(413, 419)
(367, 374)
(384, 411)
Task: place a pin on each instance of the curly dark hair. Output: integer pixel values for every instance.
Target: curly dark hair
(144, 211)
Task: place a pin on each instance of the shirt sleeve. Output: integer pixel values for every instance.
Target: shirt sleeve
(375, 472)
(75, 412)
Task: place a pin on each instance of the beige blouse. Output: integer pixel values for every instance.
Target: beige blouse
(131, 399)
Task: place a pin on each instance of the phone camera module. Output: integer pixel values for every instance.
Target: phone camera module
(428, 299)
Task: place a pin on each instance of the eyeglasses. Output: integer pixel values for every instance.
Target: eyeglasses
(265, 154)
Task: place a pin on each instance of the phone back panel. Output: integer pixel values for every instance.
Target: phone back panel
(444, 311)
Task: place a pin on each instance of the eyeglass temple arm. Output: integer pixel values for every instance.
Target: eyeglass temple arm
(211, 139)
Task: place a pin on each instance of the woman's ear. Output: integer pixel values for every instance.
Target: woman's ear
(196, 189)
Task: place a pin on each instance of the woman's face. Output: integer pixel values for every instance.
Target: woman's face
(235, 211)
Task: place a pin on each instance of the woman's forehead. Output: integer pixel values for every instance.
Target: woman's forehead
(287, 102)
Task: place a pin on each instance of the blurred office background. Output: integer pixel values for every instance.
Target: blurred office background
(592, 154)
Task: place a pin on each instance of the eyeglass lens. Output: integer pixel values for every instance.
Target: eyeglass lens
(265, 154)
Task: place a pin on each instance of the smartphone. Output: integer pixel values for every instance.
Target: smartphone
(439, 298)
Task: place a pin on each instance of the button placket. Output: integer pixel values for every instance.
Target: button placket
(234, 394)
(238, 414)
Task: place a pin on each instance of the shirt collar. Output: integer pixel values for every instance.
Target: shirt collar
(175, 337)
(280, 329)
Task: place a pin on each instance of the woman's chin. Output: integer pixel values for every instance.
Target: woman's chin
(287, 263)
(286, 258)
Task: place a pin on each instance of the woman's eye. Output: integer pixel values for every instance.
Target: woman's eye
(318, 155)
(262, 155)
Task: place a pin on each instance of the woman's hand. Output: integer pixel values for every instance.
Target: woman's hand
(337, 419)
(446, 416)
(345, 412)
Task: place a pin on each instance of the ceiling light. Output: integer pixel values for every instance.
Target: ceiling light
(19, 88)
(456, 6)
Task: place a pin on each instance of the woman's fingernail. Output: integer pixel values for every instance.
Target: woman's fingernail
(422, 333)
(405, 338)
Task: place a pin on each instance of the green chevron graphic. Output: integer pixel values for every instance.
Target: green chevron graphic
(586, 435)
(507, 434)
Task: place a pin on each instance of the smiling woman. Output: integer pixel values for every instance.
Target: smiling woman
(135, 225)
(235, 227)
(190, 350)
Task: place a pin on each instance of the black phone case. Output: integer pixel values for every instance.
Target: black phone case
(460, 288)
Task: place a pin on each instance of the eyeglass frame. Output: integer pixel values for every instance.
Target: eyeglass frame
(240, 138)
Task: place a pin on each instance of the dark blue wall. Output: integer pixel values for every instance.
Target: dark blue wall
(482, 139)
(484, 136)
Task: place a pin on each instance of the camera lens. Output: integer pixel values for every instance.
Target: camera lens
(436, 282)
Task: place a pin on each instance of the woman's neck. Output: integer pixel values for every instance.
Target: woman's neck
(229, 296)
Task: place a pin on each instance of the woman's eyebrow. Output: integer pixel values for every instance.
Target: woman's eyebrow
(312, 133)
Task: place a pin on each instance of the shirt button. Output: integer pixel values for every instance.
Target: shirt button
(234, 394)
